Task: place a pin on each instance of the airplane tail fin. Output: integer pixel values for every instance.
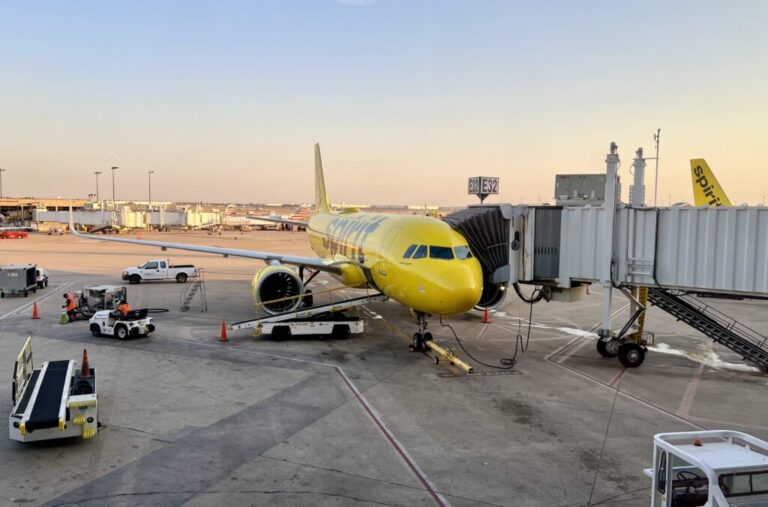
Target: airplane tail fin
(706, 189)
(321, 199)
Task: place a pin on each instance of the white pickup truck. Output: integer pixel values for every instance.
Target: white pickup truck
(158, 269)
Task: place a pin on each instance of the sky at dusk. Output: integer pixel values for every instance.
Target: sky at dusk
(224, 100)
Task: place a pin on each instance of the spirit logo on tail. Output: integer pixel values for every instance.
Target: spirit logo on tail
(706, 189)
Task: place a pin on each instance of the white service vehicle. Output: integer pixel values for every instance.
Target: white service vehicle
(112, 323)
(709, 468)
(322, 320)
(57, 400)
(159, 269)
(42, 277)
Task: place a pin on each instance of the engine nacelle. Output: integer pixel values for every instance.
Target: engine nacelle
(277, 289)
(492, 297)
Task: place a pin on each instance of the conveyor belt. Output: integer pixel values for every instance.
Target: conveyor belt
(45, 413)
(28, 390)
(312, 311)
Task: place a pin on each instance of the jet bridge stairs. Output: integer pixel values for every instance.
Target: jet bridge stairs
(751, 345)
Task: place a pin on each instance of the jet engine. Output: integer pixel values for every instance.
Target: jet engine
(277, 289)
(492, 296)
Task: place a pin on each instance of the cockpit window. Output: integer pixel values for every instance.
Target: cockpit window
(462, 252)
(409, 252)
(441, 252)
(421, 252)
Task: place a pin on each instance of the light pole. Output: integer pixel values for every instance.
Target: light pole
(149, 179)
(1, 182)
(97, 184)
(113, 184)
(657, 138)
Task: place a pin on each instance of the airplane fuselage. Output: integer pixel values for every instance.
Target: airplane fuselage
(420, 262)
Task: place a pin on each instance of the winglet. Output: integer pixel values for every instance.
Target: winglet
(706, 189)
(72, 221)
(321, 199)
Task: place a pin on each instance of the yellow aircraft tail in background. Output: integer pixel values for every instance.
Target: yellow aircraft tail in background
(706, 189)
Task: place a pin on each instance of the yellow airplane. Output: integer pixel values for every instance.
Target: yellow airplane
(706, 189)
(420, 262)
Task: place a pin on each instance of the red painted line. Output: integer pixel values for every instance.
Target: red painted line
(616, 378)
(415, 468)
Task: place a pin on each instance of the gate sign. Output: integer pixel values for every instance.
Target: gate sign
(483, 186)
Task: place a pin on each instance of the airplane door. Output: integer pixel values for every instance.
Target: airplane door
(384, 266)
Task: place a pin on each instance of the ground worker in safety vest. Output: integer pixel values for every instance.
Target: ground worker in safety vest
(124, 308)
(70, 306)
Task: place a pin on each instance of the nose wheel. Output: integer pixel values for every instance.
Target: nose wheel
(422, 336)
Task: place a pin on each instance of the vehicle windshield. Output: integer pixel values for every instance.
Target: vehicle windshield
(409, 252)
(462, 252)
(421, 252)
(440, 252)
(745, 483)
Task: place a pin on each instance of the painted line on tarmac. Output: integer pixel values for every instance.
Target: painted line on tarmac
(415, 468)
(631, 396)
(372, 413)
(617, 378)
(613, 385)
(687, 402)
(29, 305)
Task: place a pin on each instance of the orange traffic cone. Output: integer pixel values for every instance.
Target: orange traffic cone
(85, 370)
(486, 317)
(35, 315)
(223, 336)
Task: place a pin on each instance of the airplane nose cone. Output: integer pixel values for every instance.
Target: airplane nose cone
(463, 287)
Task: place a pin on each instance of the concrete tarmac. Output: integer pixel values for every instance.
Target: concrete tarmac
(189, 420)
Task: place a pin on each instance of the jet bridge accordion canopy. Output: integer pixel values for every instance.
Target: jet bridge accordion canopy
(487, 233)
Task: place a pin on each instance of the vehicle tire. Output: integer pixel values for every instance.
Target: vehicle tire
(427, 337)
(608, 349)
(340, 332)
(308, 300)
(95, 330)
(121, 332)
(46, 282)
(34, 291)
(134, 279)
(631, 355)
(280, 333)
(181, 278)
(2, 294)
(418, 342)
(26, 293)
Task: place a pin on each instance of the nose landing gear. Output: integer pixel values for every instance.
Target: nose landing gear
(422, 336)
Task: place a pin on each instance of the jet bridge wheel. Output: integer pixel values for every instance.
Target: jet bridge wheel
(608, 348)
(631, 355)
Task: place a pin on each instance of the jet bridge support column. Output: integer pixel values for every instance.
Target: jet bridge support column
(605, 247)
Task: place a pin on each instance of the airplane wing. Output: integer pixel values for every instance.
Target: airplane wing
(280, 220)
(268, 257)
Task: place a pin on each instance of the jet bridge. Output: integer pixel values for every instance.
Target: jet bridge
(655, 254)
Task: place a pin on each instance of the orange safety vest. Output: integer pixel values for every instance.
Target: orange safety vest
(71, 303)
(124, 309)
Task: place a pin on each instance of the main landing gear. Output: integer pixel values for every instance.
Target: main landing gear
(422, 336)
(629, 353)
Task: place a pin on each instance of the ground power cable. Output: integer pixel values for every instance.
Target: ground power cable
(521, 344)
(605, 439)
